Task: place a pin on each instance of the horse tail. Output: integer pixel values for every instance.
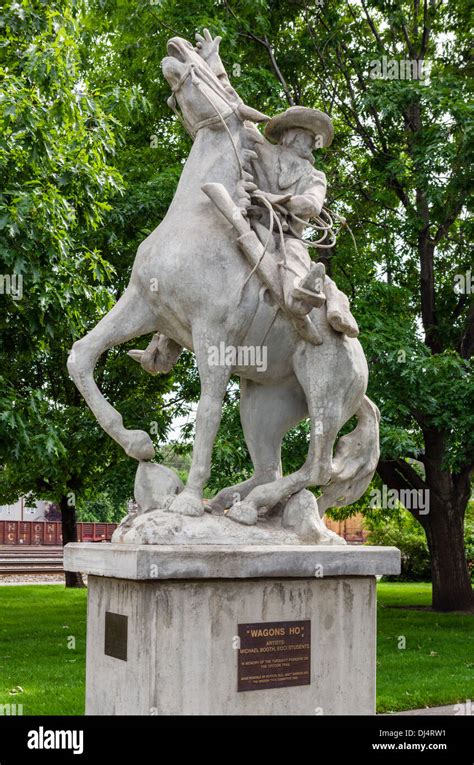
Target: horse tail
(355, 460)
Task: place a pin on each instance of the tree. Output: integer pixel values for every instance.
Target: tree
(56, 159)
(411, 165)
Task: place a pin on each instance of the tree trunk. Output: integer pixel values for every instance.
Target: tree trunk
(444, 528)
(443, 525)
(69, 530)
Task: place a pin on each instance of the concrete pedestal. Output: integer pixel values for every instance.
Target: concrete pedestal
(163, 634)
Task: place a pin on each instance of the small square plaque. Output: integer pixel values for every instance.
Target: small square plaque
(116, 634)
(274, 655)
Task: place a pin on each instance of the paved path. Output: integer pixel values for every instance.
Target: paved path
(451, 709)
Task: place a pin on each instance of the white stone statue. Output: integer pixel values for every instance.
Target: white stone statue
(228, 268)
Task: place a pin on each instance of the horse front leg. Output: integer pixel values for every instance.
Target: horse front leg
(214, 380)
(129, 318)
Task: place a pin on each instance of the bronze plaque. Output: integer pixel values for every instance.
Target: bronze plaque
(274, 655)
(116, 635)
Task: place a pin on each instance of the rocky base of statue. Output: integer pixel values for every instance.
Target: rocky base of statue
(155, 523)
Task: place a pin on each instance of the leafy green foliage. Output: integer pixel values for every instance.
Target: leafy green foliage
(62, 235)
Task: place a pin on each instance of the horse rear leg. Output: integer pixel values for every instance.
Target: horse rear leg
(129, 318)
(332, 398)
(267, 412)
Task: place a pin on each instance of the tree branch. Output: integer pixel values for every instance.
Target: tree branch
(410, 48)
(466, 345)
(448, 222)
(266, 44)
(373, 27)
(426, 31)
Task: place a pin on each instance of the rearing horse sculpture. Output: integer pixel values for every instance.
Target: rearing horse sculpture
(207, 296)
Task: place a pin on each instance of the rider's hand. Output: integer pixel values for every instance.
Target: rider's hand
(300, 205)
(274, 199)
(207, 47)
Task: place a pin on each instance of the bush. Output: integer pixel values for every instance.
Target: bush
(410, 539)
(100, 509)
(404, 532)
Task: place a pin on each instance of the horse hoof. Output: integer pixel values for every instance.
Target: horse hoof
(243, 512)
(187, 504)
(140, 445)
(216, 507)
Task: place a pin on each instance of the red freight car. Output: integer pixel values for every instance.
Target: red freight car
(49, 532)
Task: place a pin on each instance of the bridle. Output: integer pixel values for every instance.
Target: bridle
(192, 71)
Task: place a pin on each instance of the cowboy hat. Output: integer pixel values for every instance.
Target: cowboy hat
(318, 123)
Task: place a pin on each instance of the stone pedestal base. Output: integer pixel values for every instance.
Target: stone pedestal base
(209, 630)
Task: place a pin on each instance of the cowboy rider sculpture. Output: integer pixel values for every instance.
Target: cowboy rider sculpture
(285, 180)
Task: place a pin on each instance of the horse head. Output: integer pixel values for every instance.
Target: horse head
(201, 96)
(203, 99)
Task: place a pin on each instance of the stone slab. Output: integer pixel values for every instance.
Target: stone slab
(142, 562)
(451, 710)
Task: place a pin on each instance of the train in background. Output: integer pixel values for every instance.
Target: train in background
(39, 523)
(49, 532)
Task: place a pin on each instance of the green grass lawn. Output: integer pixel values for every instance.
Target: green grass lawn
(38, 622)
(36, 625)
(437, 665)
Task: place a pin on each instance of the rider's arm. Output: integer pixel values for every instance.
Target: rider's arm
(310, 202)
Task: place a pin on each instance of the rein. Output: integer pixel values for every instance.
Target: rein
(322, 223)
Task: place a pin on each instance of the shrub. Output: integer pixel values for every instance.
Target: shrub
(404, 532)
